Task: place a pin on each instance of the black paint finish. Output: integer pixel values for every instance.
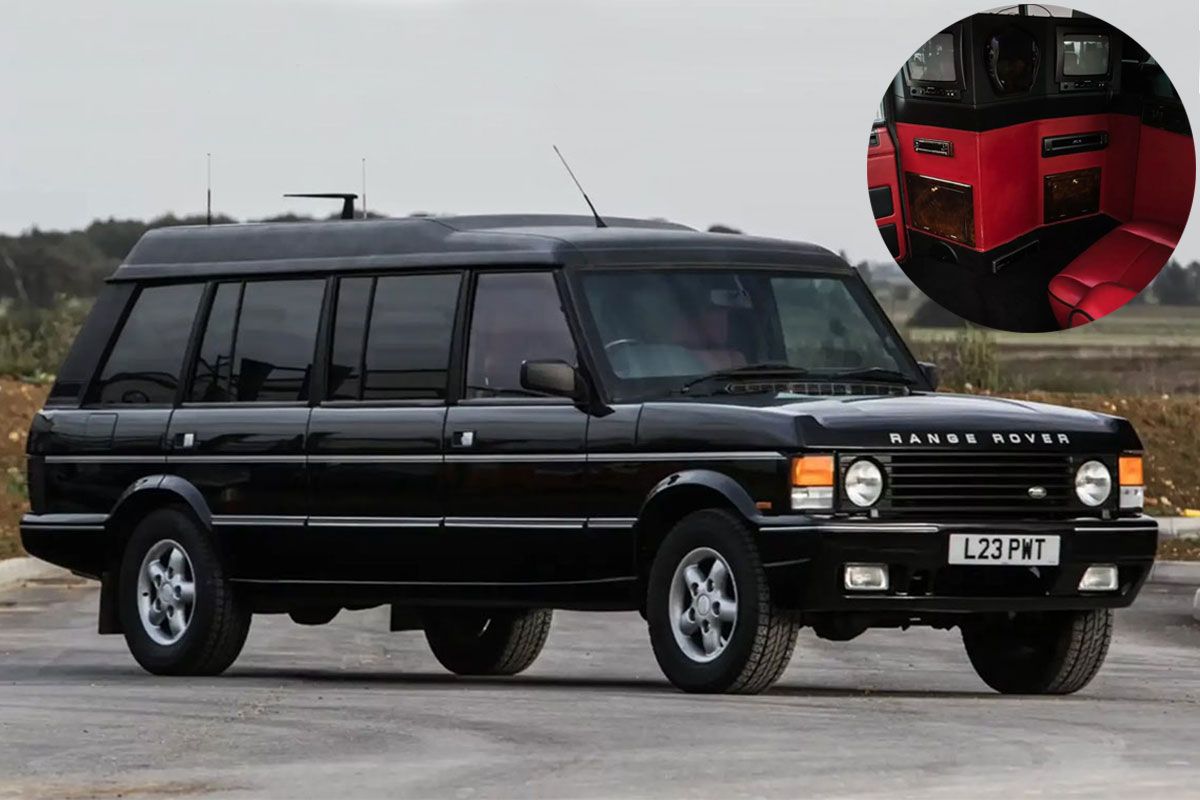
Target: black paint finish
(533, 501)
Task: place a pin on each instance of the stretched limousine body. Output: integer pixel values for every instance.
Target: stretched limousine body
(476, 420)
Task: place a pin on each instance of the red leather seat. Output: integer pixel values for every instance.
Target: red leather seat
(1111, 272)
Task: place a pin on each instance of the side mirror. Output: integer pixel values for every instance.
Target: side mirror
(557, 378)
(930, 371)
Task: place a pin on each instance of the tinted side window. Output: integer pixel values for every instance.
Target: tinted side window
(408, 344)
(147, 357)
(259, 342)
(276, 337)
(349, 324)
(213, 376)
(518, 317)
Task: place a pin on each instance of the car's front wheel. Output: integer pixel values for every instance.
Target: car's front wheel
(178, 609)
(712, 623)
(1055, 652)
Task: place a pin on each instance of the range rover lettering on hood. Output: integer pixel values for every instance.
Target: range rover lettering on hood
(979, 438)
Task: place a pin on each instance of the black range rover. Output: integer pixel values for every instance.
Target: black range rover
(476, 420)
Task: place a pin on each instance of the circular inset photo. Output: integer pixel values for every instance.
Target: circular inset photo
(1031, 168)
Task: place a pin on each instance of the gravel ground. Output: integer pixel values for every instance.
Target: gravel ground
(349, 710)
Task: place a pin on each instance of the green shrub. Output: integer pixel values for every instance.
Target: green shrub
(970, 361)
(34, 341)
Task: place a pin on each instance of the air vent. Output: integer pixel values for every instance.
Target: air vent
(936, 147)
(1073, 143)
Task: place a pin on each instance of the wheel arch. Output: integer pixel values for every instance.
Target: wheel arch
(678, 495)
(139, 499)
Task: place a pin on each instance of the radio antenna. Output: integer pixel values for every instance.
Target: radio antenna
(600, 223)
(208, 207)
(364, 188)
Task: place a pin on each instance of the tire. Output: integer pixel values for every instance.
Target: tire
(216, 623)
(751, 651)
(1039, 653)
(486, 642)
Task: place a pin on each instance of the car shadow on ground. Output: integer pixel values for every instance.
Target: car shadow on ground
(440, 680)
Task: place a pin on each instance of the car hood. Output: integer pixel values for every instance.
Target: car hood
(924, 420)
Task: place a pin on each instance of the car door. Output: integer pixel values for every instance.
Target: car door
(239, 435)
(95, 452)
(515, 463)
(883, 187)
(375, 439)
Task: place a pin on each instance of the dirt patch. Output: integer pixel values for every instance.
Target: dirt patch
(1179, 549)
(19, 401)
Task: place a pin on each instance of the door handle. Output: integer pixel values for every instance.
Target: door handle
(462, 439)
(185, 441)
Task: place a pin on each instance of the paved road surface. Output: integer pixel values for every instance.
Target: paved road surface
(350, 710)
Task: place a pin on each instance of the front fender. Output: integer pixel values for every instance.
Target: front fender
(700, 479)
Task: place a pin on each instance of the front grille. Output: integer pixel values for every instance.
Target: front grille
(979, 484)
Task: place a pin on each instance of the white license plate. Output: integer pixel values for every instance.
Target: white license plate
(1003, 548)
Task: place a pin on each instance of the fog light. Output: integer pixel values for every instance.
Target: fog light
(1099, 578)
(866, 577)
(812, 498)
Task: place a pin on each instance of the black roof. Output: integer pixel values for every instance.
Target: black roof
(511, 239)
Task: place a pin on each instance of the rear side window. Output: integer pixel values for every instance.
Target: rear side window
(408, 321)
(518, 317)
(145, 362)
(259, 342)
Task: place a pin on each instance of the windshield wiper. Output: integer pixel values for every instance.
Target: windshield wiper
(867, 374)
(767, 369)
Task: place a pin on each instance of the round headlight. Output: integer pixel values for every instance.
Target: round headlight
(1093, 483)
(863, 483)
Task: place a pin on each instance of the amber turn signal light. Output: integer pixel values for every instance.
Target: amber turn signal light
(812, 471)
(1129, 470)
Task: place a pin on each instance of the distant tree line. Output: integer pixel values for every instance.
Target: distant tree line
(38, 266)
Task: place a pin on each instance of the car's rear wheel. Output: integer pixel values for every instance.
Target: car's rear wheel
(178, 609)
(1038, 653)
(486, 641)
(712, 623)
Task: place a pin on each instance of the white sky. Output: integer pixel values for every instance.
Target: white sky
(745, 112)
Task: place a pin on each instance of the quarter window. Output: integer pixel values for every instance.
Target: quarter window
(518, 317)
(259, 342)
(405, 355)
(145, 362)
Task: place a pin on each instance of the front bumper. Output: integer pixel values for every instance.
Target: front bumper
(805, 558)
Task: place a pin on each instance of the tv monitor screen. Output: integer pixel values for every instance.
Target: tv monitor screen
(1084, 54)
(934, 61)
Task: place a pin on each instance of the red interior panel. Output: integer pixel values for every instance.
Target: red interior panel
(881, 171)
(1166, 177)
(1006, 168)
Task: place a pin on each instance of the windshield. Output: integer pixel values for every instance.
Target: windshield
(661, 330)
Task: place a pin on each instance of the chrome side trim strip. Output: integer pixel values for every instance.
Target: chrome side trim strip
(433, 458)
(249, 458)
(555, 523)
(612, 523)
(731, 455)
(250, 520)
(1115, 528)
(374, 522)
(89, 459)
(515, 458)
(882, 527)
(65, 520)
(496, 458)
